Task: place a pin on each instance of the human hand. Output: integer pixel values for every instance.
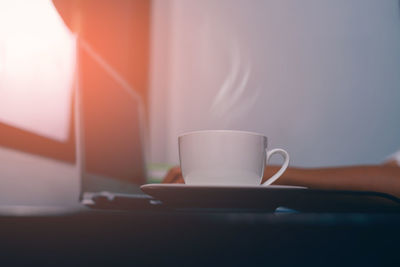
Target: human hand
(174, 176)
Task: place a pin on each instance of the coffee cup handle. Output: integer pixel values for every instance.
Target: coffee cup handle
(285, 164)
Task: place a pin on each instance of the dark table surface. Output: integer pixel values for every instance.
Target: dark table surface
(77, 235)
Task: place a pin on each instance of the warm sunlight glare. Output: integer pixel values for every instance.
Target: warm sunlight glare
(37, 64)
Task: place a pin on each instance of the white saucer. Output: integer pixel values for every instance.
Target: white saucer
(211, 187)
(226, 197)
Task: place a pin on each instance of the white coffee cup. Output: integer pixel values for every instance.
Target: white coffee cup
(226, 158)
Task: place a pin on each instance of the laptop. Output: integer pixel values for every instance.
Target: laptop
(110, 135)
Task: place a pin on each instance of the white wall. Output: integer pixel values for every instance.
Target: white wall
(319, 78)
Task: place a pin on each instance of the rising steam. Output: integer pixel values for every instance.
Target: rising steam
(235, 97)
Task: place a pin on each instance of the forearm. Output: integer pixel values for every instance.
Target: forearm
(380, 178)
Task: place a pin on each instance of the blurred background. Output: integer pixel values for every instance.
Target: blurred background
(319, 78)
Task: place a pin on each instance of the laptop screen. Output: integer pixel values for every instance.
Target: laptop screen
(41, 141)
(111, 128)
